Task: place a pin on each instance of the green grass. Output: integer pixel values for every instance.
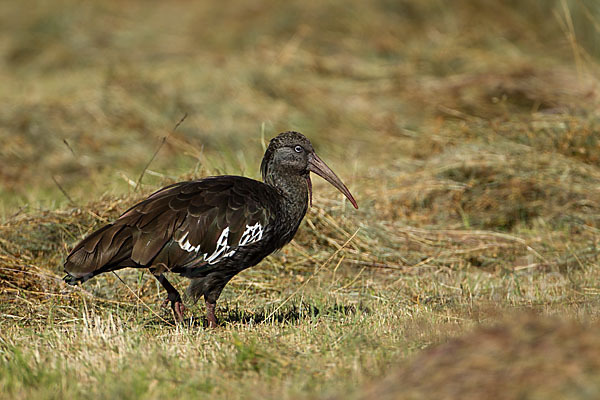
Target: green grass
(468, 133)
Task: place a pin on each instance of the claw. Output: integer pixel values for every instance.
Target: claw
(173, 298)
(177, 307)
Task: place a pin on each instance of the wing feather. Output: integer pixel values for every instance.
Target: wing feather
(189, 223)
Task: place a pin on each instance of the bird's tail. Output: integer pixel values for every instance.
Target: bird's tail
(74, 280)
(105, 250)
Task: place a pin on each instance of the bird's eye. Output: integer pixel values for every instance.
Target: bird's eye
(298, 149)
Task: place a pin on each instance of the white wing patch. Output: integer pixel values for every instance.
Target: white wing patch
(252, 234)
(187, 246)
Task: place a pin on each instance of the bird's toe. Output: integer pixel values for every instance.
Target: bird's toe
(178, 310)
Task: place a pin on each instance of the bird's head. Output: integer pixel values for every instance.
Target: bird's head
(292, 153)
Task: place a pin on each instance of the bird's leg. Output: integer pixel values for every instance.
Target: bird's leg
(210, 298)
(210, 314)
(173, 297)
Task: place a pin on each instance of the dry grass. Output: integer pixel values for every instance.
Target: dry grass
(468, 134)
(524, 356)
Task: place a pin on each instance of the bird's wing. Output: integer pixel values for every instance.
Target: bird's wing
(205, 219)
(197, 222)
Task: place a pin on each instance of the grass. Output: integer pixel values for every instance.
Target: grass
(467, 133)
(509, 360)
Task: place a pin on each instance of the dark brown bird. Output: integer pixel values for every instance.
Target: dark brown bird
(209, 229)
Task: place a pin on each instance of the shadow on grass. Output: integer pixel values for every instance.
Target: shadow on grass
(292, 314)
(287, 315)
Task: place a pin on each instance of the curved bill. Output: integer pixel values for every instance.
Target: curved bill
(318, 166)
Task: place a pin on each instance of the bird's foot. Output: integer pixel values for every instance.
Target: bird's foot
(177, 307)
(211, 319)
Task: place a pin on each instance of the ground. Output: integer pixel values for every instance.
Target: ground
(468, 132)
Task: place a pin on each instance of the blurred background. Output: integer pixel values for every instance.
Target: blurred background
(88, 89)
(467, 130)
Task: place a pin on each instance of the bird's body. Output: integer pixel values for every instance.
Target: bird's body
(209, 229)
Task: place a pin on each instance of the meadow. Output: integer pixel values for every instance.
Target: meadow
(468, 132)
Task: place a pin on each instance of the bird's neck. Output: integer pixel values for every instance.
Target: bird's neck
(294, 189)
